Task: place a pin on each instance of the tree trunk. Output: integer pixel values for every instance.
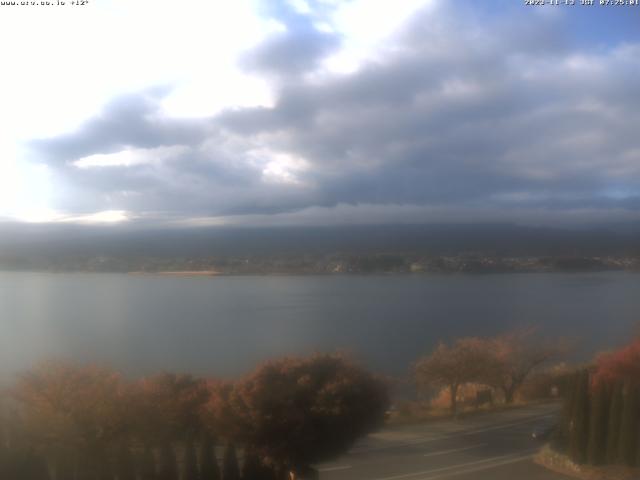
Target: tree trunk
(453, 389)
(509, 394)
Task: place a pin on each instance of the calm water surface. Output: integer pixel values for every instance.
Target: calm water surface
(225, 325)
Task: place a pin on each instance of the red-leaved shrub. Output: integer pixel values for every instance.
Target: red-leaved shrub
(622, 364)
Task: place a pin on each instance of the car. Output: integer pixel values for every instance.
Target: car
(543, 432)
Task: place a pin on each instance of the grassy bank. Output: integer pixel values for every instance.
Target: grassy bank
(561, 463)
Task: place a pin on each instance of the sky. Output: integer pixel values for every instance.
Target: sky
(314, 112)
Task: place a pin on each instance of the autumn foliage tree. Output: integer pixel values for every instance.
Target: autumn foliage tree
(217, 414)
(168, 406)
(75, 413)
(94, 425)
(466, 360)
(296, 412)
(514, 357)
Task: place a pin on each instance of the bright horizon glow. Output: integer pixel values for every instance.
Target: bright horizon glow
(50, 216)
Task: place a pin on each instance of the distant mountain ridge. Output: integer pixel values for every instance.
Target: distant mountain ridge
(36, 245)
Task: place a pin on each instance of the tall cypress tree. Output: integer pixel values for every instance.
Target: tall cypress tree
(567, 409)
(613, 426)
(63, 465)
(168, 465)
(190, 462)
(597, 449)
(34, 467)
(628, 441)
(209, 469)
(124, 468)
(230, 469)
(146, 464)
(252, 467)
(255, 469)
(579, 428)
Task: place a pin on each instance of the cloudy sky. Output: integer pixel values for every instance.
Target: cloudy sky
(207, 112)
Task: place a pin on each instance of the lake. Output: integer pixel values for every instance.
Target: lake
(224, 325)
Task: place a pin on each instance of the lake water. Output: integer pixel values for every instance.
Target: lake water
(225, 325)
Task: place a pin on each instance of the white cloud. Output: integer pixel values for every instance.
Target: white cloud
(64, 64)
(301, 6)
(131, 156)
(282, 167)
(425, 123)
(367, 27)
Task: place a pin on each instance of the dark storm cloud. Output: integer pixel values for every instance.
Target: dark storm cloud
(467, 114)
(129, 120)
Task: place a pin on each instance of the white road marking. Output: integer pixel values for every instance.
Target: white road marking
(333, 469)
(448, 436)
(454, 450)
(480, 468)
(511, 458)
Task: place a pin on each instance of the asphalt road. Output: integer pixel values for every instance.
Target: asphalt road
(495, 446)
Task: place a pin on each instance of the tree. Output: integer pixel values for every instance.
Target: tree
(515, 356)
(467, 360)
(146, 464)
(629, 426)
(76, 412)
(568, 408)
(190, 462)
(217, 415)
(209, 469)
(597, 449)
(252, 468)
(168, 407)
(613, 424)
(20, 464)
(124, 465)
(296, 412)
(167, 410)
(579, 428)
(230, 468)
(167, 464)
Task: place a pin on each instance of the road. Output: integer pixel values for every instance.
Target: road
(493, 446)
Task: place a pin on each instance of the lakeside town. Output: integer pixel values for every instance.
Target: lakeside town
(308, 264)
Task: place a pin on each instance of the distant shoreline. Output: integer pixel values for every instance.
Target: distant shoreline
(184, 273)
(215, 273)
